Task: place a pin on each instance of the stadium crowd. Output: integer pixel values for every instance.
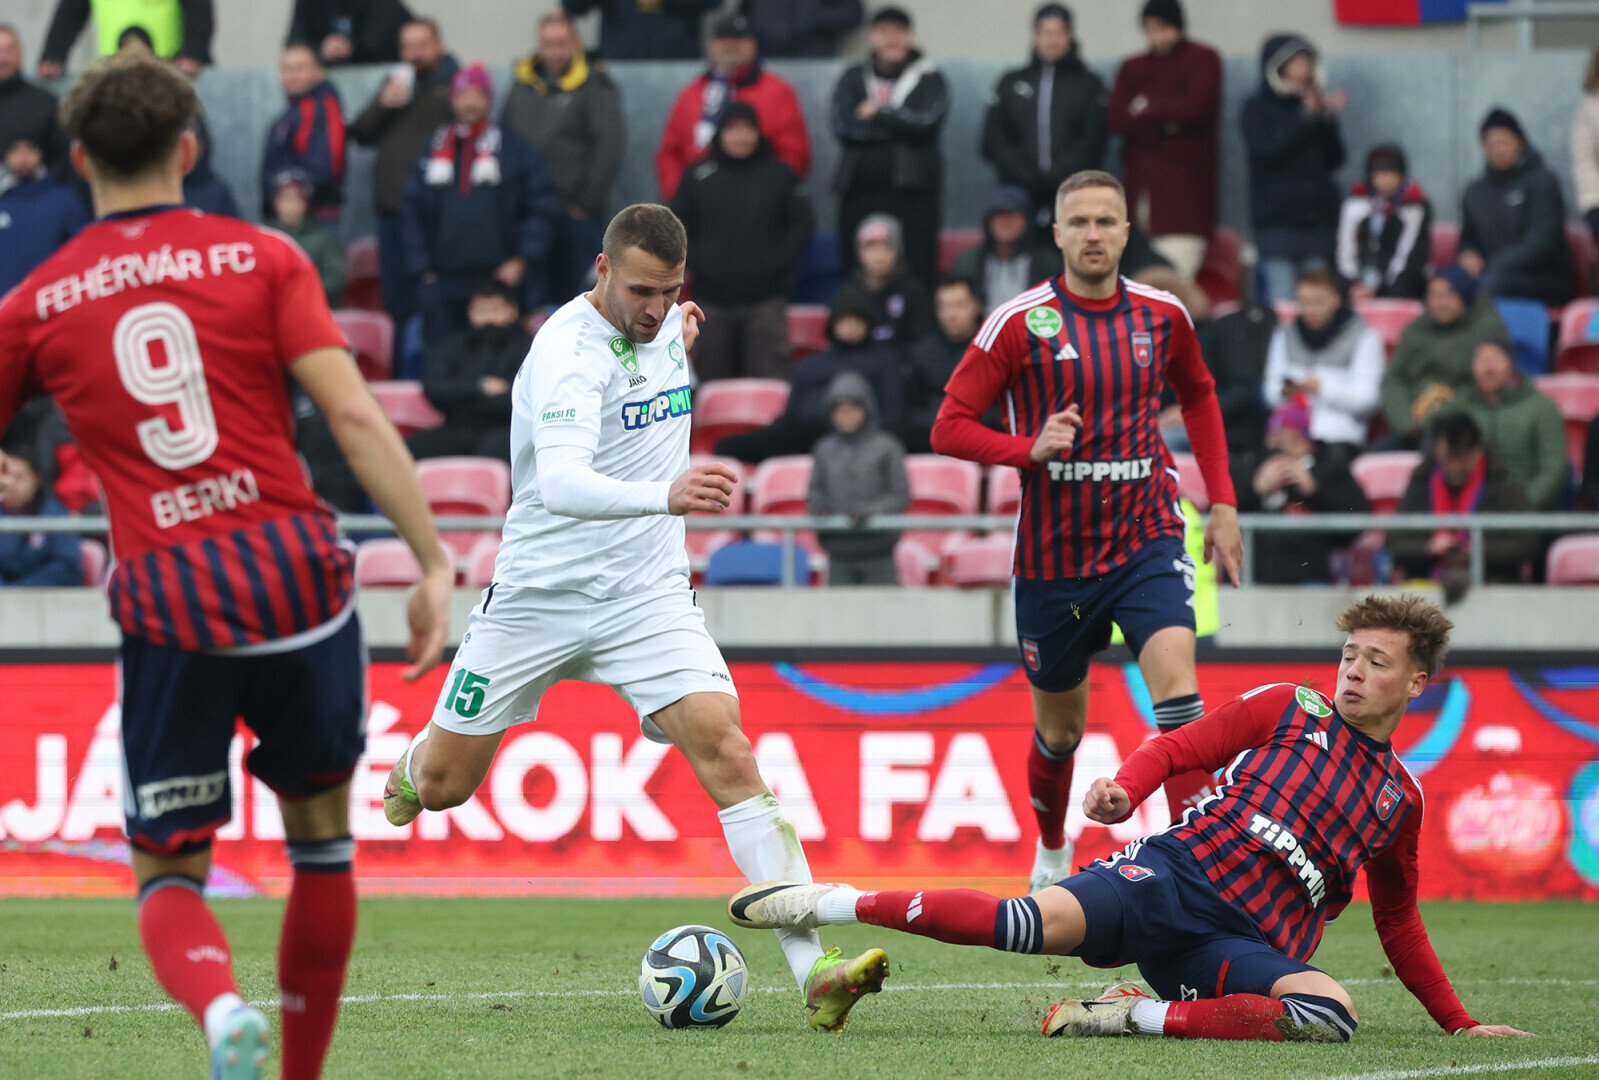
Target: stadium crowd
(1377, 358)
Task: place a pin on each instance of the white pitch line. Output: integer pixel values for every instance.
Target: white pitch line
(488, 995)
(1467, 1070)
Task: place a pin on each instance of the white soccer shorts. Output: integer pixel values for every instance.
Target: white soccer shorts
(652, 649)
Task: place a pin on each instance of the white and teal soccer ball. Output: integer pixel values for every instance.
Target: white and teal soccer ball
(693, 977)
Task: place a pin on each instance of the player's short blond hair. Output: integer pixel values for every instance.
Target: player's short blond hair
(1089, 178)
(1418, 618)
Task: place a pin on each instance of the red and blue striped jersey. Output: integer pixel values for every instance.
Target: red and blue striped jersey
(165, 336)
(1305, 802)
(1087, 511)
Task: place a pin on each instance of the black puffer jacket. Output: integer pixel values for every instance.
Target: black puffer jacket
(1077, 128)
(29, 112)
(453, 373)
(1515, 219)
(897, 149)
(1292, 153)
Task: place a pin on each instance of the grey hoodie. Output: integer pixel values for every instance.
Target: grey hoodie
(861, 473)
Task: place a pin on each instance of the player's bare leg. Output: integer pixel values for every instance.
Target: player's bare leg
(1059, 720)
(706, 728)
(1167, 664)
(439, 770)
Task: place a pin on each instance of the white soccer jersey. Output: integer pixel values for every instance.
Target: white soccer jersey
(584, 384)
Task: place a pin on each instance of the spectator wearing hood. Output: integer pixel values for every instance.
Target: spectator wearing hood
(735, 74)
(468, 378)
(857, 469)
(176, 30)
(1513, 219)
(801, 29)
(804, 418)
(39, 559)
(565, 103)
(399, 120)
(958, 306)
(349, 31)
(647, 29)
(479, 203)
(1585, 146)
(37, 213)
(1330, 359)
(902, 310)
(1166, 106)
(28, 111)
(1011, 259)
(203, 189)
(291, 205)
(749, 220)
(1046, 121)
(1519, 424)
(1432, 362)
(308, 135)
(889, 113)
(1290, 127)
(1385, 230)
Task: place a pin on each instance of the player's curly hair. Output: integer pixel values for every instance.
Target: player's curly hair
(1416, 616)
(129, 112)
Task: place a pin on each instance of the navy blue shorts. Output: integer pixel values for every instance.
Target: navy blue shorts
(1152, 905)
(307, 706)
(1061, 624)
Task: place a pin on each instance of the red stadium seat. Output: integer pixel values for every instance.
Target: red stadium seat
(94, 557)
(1445, 243)
(371, 338)
(1574, 560)
(466, 487)
(807, 330)
(914, 563)
(1222, 273)
(952, 243)
(1576, 350)
(702, 543)
(729, 406)
(1004, 490)
(1384, 477)
(1190, 483)
(1577, 395)
(1389, 317)
(1584, 258)
(380, 563)
(781, 485)
(364, 286)
(984, 561)
(480, 561)
(942, 485)
(405, 405)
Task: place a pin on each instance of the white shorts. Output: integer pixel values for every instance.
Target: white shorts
(652, 649)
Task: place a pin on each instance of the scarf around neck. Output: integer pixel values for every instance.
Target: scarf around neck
(483, 153)
(1444, 501)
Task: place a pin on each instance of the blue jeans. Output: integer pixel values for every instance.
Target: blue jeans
(399, 288)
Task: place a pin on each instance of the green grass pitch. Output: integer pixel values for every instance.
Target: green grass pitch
(547, 988)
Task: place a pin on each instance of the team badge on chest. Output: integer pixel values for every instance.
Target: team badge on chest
(1389, 797)
(1143, 349)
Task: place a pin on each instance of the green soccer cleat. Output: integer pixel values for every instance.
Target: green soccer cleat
(835, 985)
(400, 804)
(242, 1048)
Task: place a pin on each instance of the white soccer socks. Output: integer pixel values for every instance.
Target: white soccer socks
(765, 848)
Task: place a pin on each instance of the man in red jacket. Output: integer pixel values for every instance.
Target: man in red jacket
(735, 74)
(1166, 106)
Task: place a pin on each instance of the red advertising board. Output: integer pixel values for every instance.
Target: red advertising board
(892, 774)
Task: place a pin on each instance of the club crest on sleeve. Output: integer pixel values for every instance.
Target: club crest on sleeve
(1134, 872)
(1143, 349)
(1389, 797)
(1030, 655)
(675, 351)
(1044, 321)
(1312, 702)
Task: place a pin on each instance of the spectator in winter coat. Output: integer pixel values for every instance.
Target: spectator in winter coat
(1235, 347)
(1290, 127)
(37, 213)
(1385, 231)
(309, 135)
(1011, 259)
(468, 378)
(735, 74)
(888, 113)
(857, 469)
(291, 205)
(565, 104)
(349, 31)
(28, 111)
(1046, 120)
(801, 28)
(178, 30)
(931, 361)
(1585, 147)
(479, 204)
(400, 120)
(203, 189)
(1331, 359)
(902, 310)
(1519, 424)
(1432, 362)
(32, 560)
(1513, 219)
(1299, 476)
(749, 220)
(647, 29)
(804, 418)
(1166, 106)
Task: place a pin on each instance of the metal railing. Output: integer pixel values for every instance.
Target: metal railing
(788, 525)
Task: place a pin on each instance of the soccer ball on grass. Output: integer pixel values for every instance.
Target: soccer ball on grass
(693, 977)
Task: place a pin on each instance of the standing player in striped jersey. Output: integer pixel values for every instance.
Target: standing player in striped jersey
(165, 336)
(1081, 361)
(1223, 912)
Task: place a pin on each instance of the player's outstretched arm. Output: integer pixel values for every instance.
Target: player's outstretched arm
(383, 465)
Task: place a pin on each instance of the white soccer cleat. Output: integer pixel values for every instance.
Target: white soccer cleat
(241, 1049)
(774, 905)
(1110, 1014)
(1049, 866)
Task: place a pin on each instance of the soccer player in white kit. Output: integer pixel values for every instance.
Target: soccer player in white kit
(592, 578)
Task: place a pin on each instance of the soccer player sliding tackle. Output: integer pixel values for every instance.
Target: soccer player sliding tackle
(1081, 361)
(1223, 912)
(592, 578)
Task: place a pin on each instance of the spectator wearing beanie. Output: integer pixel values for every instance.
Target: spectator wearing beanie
(902, 309)
(735, 74)
(1432, 362)
(349, 31)
(1046, 121)
(1331, 360)
(37, 213)
(1290, 127)
(889, 114)
(749, 220)
(1522, 426)
(1385, 230)
(1011, 259)
(1513, 219)
(1166, 106)
(647, 29)
(308, 135)
(807, 29)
